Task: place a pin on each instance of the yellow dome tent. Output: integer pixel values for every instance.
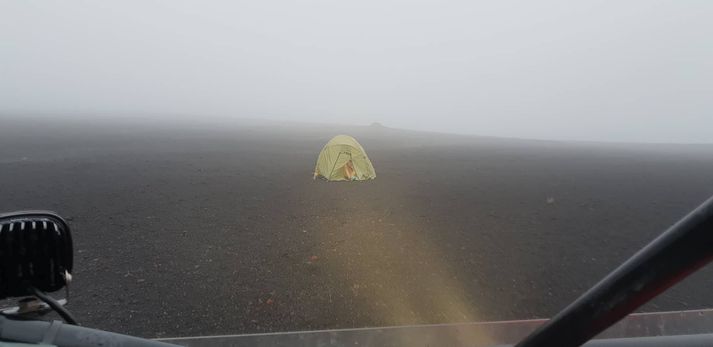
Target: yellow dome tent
(343, 159)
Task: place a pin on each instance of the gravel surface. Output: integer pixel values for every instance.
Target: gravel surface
(185, 230)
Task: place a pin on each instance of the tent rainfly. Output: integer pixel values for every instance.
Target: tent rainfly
(344, 159)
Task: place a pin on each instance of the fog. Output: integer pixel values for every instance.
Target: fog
(637, 71)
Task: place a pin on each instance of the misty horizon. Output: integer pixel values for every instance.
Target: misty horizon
(636, 71)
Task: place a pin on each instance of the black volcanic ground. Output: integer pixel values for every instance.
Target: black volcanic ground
(189, 229)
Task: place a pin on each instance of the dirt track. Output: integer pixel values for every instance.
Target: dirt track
(206, 230)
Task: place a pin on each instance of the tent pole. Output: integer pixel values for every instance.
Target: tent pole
(333, 166)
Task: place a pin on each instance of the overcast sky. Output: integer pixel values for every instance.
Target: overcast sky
(592, 70)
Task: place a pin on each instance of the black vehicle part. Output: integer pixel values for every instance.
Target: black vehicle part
(55, 305)
(681, 250)
(59, 334)
(35, 251)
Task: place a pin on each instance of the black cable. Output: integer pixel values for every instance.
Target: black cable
(56, 306)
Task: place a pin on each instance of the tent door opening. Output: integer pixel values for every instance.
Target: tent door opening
(346, 171)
